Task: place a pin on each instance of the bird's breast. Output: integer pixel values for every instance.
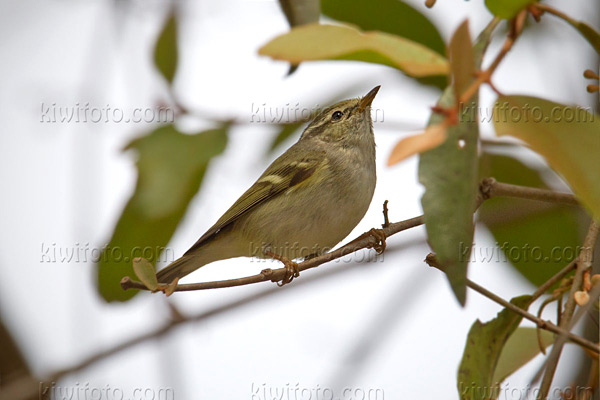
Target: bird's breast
(317, 214)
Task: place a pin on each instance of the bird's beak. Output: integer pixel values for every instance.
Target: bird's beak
(368, 99)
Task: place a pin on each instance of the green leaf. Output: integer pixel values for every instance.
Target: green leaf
(507, 9)
(300, 12)
(331, 42)
(568, 138)
(449, 174)
(170, 167)
(462, 66)
(391, 16)
(482, 352)
(520, 348)
(165, 51)
(520, 226)
(145, 272)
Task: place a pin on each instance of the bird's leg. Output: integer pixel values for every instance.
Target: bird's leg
(291, 268)
(379, 237)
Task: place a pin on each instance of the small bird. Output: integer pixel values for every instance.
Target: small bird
(307, 200)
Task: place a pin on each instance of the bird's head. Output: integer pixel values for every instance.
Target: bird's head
(348, 120)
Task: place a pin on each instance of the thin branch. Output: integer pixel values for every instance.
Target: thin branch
(488, 188)
(585, 262)
(365, 241)
(491, 188)
(550, 282)
(555, 12)
(386, 218)
(432, 261)
(485, 76)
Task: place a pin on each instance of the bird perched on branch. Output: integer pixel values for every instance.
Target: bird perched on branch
(307, 200)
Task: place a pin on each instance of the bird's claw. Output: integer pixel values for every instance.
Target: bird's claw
(291, 268)
(291, 272)
(379, 236)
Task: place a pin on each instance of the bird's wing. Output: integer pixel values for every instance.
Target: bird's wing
(292, 171)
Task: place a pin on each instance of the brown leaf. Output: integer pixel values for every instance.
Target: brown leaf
(170, 288)
(461, 57)
(433, 136)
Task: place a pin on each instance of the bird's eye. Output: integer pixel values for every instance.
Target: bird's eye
(337, 115)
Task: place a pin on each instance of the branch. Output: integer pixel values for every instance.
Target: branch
(492, 188)
(432, 261)
(488, 188)
(585, 261)
(485, 76)
(550, 282)
(555, 12)
(365, 241)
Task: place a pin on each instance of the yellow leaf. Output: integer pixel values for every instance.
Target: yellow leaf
(144, 270)
(315, 42)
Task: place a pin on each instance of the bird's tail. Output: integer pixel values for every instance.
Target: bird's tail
(219, 248)
(178, 269)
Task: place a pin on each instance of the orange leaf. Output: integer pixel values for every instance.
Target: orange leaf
(462, 59)
(433, 136)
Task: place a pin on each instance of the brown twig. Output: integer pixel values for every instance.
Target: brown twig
(488, 188)
(557, 277)
(367, 240)
(432, 261)
(491, 188)
(485, 76)
(585, 261)
(554, 11)
(386, 219)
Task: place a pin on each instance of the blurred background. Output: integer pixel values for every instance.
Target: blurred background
(365, 322)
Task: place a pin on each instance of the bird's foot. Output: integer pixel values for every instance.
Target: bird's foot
(291, 268)
(379, 236)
